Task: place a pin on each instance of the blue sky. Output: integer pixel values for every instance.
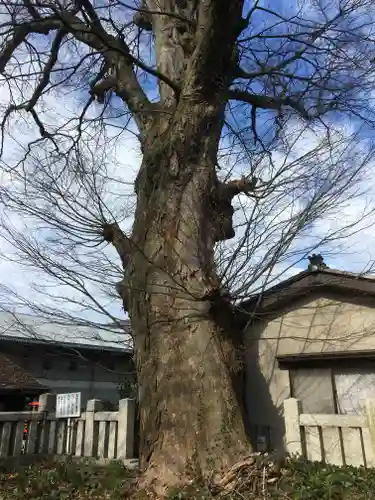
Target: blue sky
(352, 252)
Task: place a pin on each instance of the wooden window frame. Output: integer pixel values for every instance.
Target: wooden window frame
(333, 366)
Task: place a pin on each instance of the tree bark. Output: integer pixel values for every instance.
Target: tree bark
(186, 349)
(186, 355)
(188, 352)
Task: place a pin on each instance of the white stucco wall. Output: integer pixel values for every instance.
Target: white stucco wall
(318, 324)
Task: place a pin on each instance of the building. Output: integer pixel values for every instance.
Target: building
(62, 358)
(17, 387)
(311, 337)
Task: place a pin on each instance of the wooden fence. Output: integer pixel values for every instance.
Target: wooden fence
(96, 433)
(334, 439)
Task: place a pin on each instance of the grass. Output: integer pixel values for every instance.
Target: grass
(315, 481)
(54, 480)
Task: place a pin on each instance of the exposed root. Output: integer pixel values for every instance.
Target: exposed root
(253, 474)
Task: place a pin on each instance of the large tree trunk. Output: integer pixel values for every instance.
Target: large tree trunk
(186, 353)
(186, 348)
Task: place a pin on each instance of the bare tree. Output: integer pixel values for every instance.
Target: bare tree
(212, 90)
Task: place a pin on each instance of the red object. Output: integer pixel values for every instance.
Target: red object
(34, 403)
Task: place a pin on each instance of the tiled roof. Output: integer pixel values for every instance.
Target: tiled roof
(311, 282)
(26, 328)
(13, 377)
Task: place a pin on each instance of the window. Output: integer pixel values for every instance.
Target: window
(47, 365)
(110, 366)
(352, 390)
(72, 365)
(333, 390)
(313, 387)
(107, 363)
(261, 437)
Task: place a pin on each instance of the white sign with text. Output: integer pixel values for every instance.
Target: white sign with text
(68, 405)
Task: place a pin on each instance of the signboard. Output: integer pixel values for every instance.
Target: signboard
(68, 405)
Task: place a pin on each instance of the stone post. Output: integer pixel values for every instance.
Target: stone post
(125, 431)
(93, 405)
(47, 402)
(47, 405)
(293, 439)
(370, 443)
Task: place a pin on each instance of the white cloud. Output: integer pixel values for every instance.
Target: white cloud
(123, 160)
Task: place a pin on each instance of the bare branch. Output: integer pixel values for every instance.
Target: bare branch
(266, 102)
(21, 32)
(47, 70)
(115, 51)
(113, 234)
(298, 115)
(235, 187)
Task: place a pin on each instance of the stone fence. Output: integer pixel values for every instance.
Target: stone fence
(334, 439)
(96, 433)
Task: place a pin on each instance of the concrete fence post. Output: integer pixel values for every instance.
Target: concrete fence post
(293, 438)
(93, 405)
(125, 430)
(370, 413)
(47, 402)
(47, 405)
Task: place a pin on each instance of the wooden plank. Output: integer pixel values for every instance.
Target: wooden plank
(52, 437)
(112, 438)
(102, 439)
(313, 444)
(18, 439)
(333, 452)
(368, 447)
(80, 438)
(353, 452)
(5, 439)
(32, 437)
(332, 420)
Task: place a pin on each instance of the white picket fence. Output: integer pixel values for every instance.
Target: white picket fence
(333, 439)
(96, 433)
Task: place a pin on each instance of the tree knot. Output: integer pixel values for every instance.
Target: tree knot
(142, 18)
(108, 232)
(100, 89)
(245, 185)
